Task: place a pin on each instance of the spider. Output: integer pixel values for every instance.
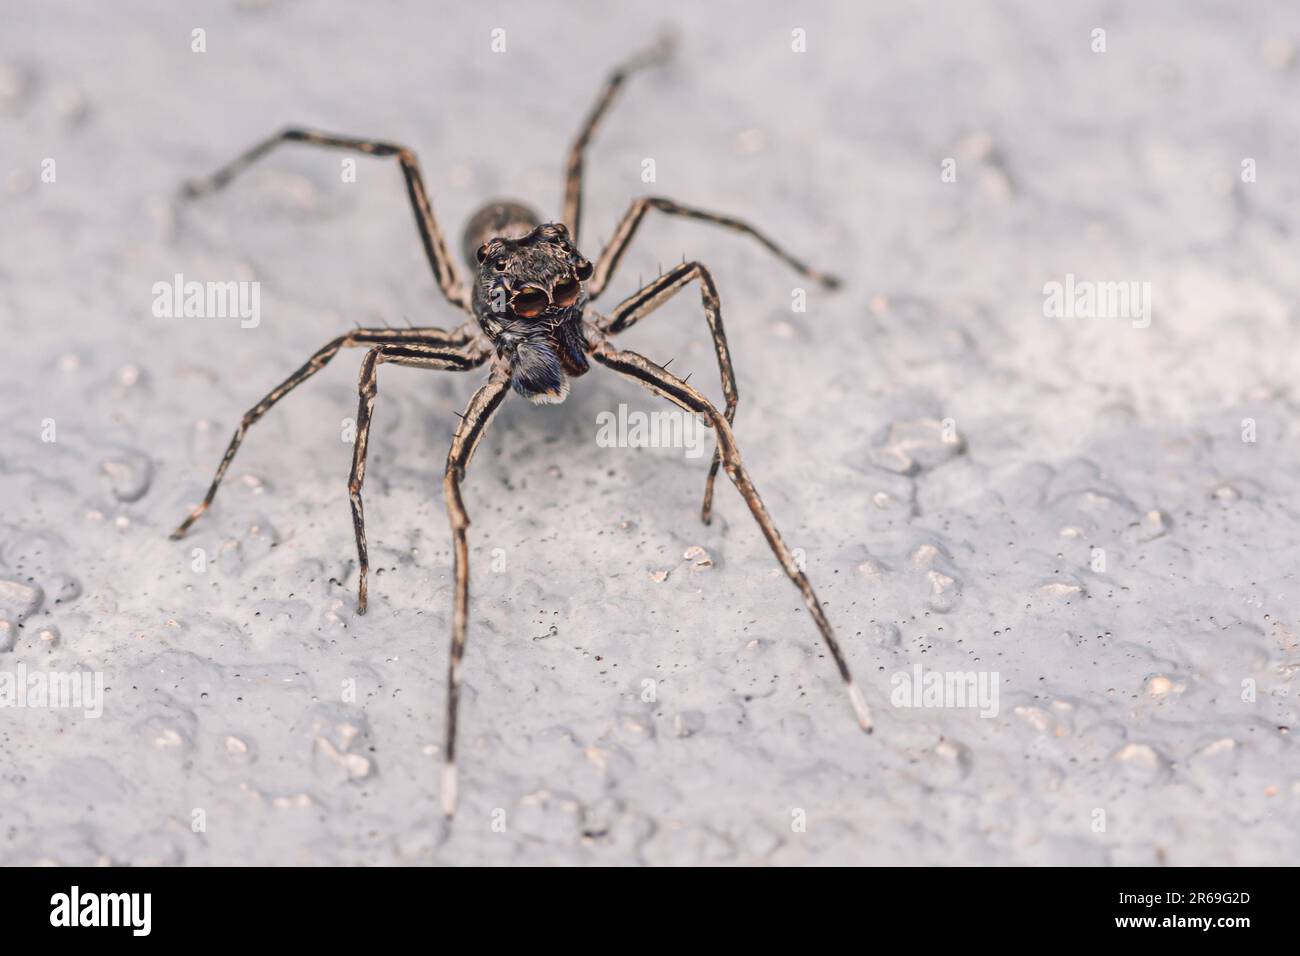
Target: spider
(531, 321)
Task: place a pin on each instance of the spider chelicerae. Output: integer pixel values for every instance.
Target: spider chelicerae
(532, 323)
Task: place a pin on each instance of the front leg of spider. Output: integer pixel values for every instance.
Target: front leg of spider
(416, 355)
(528, 299)
(472, 426)
(663, 383)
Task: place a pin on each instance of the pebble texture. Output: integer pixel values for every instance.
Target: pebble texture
(1100, 514)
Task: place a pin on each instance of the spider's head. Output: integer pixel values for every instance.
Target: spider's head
(529, 298)
(535, 277)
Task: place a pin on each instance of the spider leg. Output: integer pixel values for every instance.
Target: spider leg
(435, 248)
(658, 53)
(613, 253)
(473, 424)
(640, 304)
(418, 355)
(663, 383)
(313, 365)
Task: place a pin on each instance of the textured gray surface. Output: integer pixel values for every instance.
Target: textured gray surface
(1121, 691)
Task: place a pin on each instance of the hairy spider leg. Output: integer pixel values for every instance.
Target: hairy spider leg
(416, 355)
(659, 52)
(482, 406)
(429, 337)
(435, 247)
(663, 383)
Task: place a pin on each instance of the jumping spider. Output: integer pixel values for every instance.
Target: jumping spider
(531, 319)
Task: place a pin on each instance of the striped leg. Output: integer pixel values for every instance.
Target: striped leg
(658, 53)
(610, 256)
(472, 426)
(418, 355)
(663, 383)
(637, 306)
(314, 364)
(435, 248)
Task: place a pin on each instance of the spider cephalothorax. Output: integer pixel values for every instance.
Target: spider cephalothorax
(528, 299)
(529, 316)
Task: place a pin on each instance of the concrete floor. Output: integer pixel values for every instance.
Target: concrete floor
(1095, 515)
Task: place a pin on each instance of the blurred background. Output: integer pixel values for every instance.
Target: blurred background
(1094, 509)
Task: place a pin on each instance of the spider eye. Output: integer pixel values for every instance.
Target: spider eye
(481, 254)
(530, 303)
(499, 265)
(566, 293)
(584, 270)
